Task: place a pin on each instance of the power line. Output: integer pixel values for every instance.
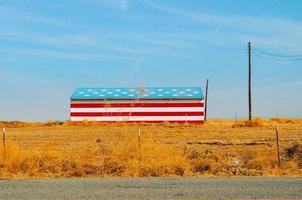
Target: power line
(270, 58)
(293, 57)
(277, 55)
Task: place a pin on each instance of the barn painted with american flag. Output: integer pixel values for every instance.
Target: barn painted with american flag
(151, 104)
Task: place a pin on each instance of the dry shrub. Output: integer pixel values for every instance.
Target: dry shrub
(123, 157)
(85, 122)
(127, 159)
(251, 163)
(162, 160)
(69, 123)
(294, 153)
(203, 161)
(219, 121)
(121, 153)
(253, 160)
(19, 124)
(256, 122)
(205, 165)
(286, 168)
(16, 124)
(42, 162)
(261, 163)
(113, 150)
(246, 157)
(53, 123)
(286, 120)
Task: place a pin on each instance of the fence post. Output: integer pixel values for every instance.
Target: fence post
(277, 145)
(139, 151)
(4, 143)
(206, 102)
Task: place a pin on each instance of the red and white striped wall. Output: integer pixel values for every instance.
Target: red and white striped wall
(190, 111)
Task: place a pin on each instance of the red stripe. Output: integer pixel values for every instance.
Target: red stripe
(108, 114)
(134, 105)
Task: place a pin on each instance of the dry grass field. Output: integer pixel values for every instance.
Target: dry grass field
(219, 148)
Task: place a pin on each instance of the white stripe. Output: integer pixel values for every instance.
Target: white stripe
(140, 118)
(137, 109)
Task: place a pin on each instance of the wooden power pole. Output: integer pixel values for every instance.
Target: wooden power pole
(250, 81)
(206, 101)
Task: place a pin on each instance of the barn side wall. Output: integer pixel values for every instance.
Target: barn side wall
(183, 111)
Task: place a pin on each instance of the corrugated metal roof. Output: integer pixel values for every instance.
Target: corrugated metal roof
(139, 93)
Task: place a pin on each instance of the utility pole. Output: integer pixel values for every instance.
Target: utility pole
(250, 81)
(206, 101)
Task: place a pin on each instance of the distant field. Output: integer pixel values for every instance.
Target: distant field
(218, 148)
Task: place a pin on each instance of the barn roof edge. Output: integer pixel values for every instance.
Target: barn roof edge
(129, 93)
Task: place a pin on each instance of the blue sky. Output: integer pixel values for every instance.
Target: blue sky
(49, 48)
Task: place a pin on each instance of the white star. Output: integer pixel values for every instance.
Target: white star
(117, 90)
(90, 90)
(160, 90)
(95, 92)
(104, 90)
(81, 92)
(116, 95)
(188, 89)
(87, 95)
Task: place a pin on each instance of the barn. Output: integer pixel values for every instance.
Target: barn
(151, 104)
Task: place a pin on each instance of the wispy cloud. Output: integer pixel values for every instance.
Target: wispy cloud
(19, 15)
(142, 43)
(64, 54)
(265, 31)
(120, 4)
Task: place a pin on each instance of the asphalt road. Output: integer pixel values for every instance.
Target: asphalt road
(152, 188)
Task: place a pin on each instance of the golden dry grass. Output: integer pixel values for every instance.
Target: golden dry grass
(89, 149)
